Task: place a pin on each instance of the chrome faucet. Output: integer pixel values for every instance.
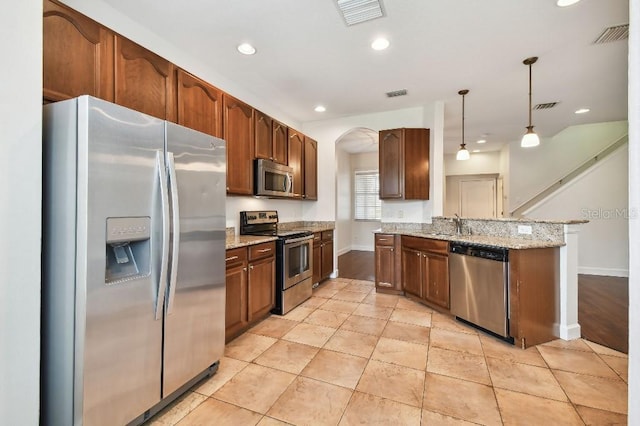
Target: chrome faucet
(458, 223)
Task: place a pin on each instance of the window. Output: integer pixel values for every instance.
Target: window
(367, 201)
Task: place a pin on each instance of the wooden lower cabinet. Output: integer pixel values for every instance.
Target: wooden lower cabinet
(425, 270)
(388, 263)
(322, 255)
(534, 287)
(250, 286)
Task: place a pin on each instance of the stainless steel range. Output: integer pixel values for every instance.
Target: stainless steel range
(294, 257)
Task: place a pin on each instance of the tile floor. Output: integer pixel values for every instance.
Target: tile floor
(350, 356)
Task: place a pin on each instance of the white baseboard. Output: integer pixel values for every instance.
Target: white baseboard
(359, 248)
(610, 272)
(367, 247)
(570, 332)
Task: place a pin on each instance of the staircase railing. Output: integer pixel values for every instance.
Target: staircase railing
(519, 211)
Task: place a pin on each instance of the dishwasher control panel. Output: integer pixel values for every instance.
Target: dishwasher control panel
(486, 252)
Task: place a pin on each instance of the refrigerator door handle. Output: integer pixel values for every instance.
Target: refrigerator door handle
(164, 262)
(175, 210)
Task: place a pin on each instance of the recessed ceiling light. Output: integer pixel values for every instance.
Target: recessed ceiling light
(565, 3)
(476, 150)
(481, 141)
(246, 49)
(320, 108)
(582, 110)
(380, 44)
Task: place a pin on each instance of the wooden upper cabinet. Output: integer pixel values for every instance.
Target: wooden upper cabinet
(310, 169)
(263, 135)
(239, 134)
(143, 80)
(391, 166)
(280, 137)
(296, 149)
(199, 104)
(404, 164)
(77, 55)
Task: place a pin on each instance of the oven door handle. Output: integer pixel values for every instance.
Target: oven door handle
(297, 240)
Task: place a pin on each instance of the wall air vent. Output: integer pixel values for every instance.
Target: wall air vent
(357, 11)
(396, 93)
(548, 105)
(618, 32)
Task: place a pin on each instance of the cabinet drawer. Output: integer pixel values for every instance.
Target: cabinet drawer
(327, 235)
(317, 237)
(385, 239)
(426, 244)
(236, 255)
(262, 250)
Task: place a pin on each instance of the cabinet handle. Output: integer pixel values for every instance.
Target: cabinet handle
(231, 258)
(264, 250)
(382, 239)
(244, 269)
(391, 249)
(251, 267)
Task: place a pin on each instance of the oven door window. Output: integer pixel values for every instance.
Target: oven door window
(298, 260)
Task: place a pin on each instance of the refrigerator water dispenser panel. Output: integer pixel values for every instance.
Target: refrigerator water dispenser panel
(128, 248)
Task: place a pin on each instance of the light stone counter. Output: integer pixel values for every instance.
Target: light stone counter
(236, 241)
(488, 240)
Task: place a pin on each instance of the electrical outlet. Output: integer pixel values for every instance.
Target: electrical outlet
(524, 229)
(400, 214)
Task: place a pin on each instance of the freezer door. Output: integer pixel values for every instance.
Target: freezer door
(118, 339)
(195, 309)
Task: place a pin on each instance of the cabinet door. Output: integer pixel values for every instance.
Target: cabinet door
(391, 164)
(296, 147)
(280, 135)
(437, 280)
(317, 258)
(236, 300)
(385, 266)
(262, 291)
(199, 105)
(412, 271)
(77, 55)
(238, 132)
(416, 164)
(143, 80)
(310, 169)
(327, 259)
(263, 135)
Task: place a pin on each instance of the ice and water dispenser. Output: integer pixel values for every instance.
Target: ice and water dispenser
(128, 248)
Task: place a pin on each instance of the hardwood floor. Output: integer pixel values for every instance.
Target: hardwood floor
(603, 302)
(603, 310)
(357, 265)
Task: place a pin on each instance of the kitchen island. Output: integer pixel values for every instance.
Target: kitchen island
(540, 275)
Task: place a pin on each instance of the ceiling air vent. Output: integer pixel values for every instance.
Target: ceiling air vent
(619, 32)
(357, 11)
(548, 105)
(395, 93)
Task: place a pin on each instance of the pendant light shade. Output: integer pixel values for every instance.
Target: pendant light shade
(530, 138)
(463, 153)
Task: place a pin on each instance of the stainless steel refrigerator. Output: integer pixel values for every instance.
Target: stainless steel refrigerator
(133, 293)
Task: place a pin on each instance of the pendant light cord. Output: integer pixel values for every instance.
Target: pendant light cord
(530, 94)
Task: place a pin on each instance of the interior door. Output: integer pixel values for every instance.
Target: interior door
(478, 198)
(118, 338)
(195, 311)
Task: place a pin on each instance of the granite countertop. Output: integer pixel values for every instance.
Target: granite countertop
(520, 219)
(486, 240)
(236, 241)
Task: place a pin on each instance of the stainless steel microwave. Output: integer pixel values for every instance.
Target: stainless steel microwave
(272, 179)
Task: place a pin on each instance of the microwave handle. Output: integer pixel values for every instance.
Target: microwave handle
(288, 183)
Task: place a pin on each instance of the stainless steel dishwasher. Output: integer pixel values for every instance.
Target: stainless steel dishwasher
(478, 277)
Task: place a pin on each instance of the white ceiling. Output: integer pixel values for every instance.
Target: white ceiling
(308, 56)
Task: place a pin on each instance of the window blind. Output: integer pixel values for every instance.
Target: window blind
(367, 201)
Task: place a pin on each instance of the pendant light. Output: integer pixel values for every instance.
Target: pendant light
(463, 153)
(530, 138)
